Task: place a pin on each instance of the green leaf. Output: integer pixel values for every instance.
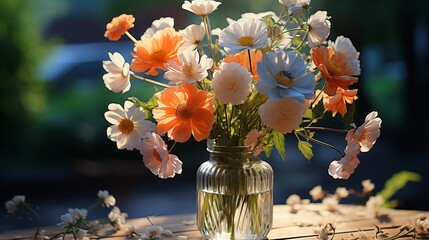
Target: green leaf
(318, 110)
(397, 182)
(269, 21)
(348, 117)
(279, 143)
(148, 106)
(267, 149)
(306, 149)
(308, 114)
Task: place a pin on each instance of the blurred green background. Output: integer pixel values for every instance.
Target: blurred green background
(54, 147)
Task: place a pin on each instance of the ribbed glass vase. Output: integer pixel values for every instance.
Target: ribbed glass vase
(234, 194)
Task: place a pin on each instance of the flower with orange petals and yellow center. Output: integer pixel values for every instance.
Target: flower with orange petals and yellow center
(118, 26)
(184, 110)
(242, 58)
(152, 53)
(334, 67)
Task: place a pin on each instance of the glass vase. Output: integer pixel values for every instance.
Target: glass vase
(234, 194)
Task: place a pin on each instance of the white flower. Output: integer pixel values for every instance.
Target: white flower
(317, 193)
(190, 68)
(341, 192)
(129, 125)
(231, 83)
(164, 22)
(344, 45)
(285, 74)
(67, 221)
(344, 167)
(331, 203)
(244, 34)
(154, 232)
(117, 218)
(81, 234)
(303, 3)
(367, 186)
(374, 203)
(287, 3)
(157, 159)
(117, 78)
(192, 36)
(201, 7)
(15, 203)
(78, 214)
(319, 28)
(366, 134)
(107, 200)
(260, 15)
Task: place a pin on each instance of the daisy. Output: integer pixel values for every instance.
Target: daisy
(190, 68)
(366, 135)
(118, 26)
(242, 58)
(157, 159)
(319, 28)
(106, 199)
(117, 78)
(337, 103)
(285, 74)
(334, 67)
(201, 7)
(15, 203)
(153, 53)
(344, 45)
(193, 35)
(129, 124)
(231, 83)
(184, 110)
(283, 115)
(244, 34)
(160, 24)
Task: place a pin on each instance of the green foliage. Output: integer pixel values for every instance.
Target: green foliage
(279, 143)
(396, 183)
(306, 149)
(147, 106)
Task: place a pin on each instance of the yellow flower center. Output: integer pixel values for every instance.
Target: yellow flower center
(183, 113)
(285, 78)
(156, 155)
(334, 67)
(126, 126)
(245, 41)
(188, 71)
(158, 56)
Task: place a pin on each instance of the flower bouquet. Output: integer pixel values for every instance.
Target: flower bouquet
(247, 85)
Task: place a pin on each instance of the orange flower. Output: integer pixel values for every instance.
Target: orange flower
(118, 26)
(337, 103)
(152, 53)
(183, 110)
(242, 58)
(334, 67)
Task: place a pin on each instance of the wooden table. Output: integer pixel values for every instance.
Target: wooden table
(350, 222)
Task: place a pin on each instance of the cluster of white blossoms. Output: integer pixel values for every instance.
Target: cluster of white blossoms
(74, 223)
(331, 201)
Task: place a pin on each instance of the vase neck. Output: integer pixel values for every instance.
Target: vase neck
(229, 154)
